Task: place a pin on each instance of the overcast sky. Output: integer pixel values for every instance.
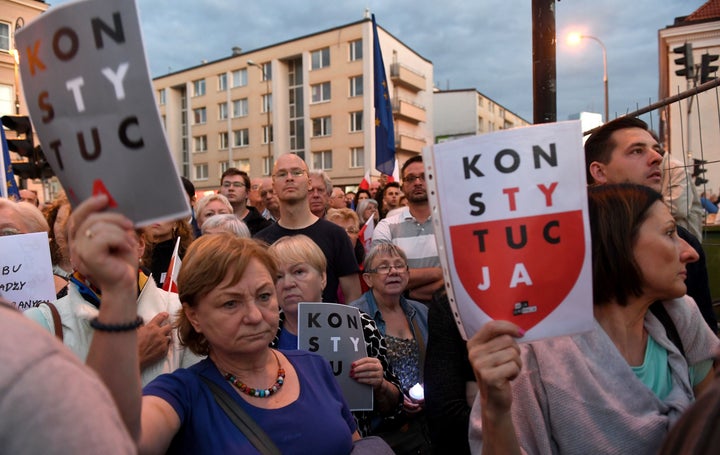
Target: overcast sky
(481, 44)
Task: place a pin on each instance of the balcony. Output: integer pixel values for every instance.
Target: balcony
(408, 111)
(409, 143)
(405, 77)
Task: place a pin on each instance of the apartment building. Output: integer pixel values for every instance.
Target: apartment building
(467, 112)
(311, 95)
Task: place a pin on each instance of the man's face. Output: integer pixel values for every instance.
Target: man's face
(635, 158)
(337, 199)
(233, 188)
(29, 196)
(392, 197)
(290, 179)
(268, 193)
(318, 195)
(374, 187)
(414, 185)
(254, 194)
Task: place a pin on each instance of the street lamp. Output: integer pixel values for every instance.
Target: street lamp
(574, 38)
(267, 110)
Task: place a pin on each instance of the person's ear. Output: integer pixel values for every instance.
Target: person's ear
(191, 315)
(598, 172)
(366, 278)
(324, 280)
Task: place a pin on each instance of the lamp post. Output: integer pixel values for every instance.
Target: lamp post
(575, 38)
(267, 110)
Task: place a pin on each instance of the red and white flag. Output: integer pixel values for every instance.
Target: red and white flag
(365, 182)
(395, 177)
(170, 282)
(366, 233)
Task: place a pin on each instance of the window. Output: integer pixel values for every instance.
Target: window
(200, 143)
(240, 108)
(320, 58)
(356, 86)
(4, 36)
(161, 96)
(266, 71)
(223, 140)
(356, 50)
(266, 165)
(201, 171)
(243, 165)
(222, 111)
(199, 87)
(322, 126)
(199, 116)
(242, 137)
(322, 160)
(357, 157)
(239, 78)
(222, 82)
(267, 131)
(356, 121)
(320, 92)
(7, 98)
(267, 103)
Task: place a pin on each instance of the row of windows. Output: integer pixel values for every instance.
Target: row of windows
(319, 93)
(239, 109)
(320, 58)
(322, 126)
(239, 78)
(241, 138)
(320, 160)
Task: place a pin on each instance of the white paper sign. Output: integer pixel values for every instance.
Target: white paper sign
(26, 277)
(335, 332)
(90, 98)
(512, 227)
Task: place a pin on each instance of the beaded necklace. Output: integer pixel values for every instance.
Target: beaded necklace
(260, 393)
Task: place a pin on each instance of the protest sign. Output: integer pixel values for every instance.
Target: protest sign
(335, 332)
(26, 277)
(90, 98)
(511, 221)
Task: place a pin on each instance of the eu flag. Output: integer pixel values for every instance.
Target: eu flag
(384, 131)
(10, 188)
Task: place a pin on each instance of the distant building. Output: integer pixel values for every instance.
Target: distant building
(467, 112)
(14, 14)
(311, 95)
(695, 135)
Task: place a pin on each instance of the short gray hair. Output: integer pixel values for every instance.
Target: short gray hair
(328, 183)
(227, 222)
(383, 248)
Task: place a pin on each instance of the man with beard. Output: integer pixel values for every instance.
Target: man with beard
(292, 184)
(234, 185)
(412, 230)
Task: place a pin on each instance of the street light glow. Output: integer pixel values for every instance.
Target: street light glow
(574, 38)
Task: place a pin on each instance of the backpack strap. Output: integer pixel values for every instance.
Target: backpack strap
(57, 323)
(659, 311)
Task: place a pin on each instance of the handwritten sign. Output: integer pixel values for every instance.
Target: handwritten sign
(512, 227)
(335, 332)
(90, 98)
(26, 277)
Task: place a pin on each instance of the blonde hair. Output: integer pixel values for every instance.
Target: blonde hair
(297, 249)
(342, 215)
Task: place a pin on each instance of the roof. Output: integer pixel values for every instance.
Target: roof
(709, 10)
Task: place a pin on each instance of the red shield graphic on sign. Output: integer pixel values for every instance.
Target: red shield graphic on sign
(520, 270)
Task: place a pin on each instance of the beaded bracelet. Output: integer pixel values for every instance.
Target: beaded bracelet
(126, 327)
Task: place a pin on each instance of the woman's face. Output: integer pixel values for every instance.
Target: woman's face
(299, 282)
(371, 211)
(161, 231)
(362, 196)
(241, 317)
(212, 208)
(388, 275)
(661, 255)
(350, 227)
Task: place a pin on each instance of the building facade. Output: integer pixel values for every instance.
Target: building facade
(312, 96)
(692, 133)
(467, 112)
(14, 14)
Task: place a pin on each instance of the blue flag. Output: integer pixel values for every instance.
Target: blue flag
(10, 190)
(384, 130)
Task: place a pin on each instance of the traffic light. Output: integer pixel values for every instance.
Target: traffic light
(698, 170)
(686, 61)
(21, 125)
(706, 69)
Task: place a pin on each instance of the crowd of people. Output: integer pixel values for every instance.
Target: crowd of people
(214, 365)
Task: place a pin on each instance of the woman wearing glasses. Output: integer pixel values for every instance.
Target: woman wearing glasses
(403, 323)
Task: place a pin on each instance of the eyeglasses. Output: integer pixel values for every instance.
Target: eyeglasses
(317, 190)
(352, 230)
(385, 269)
(411, 178)
(235, 184)
(255, 187)
(9, 231)
(264, 193)
(283, 174)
